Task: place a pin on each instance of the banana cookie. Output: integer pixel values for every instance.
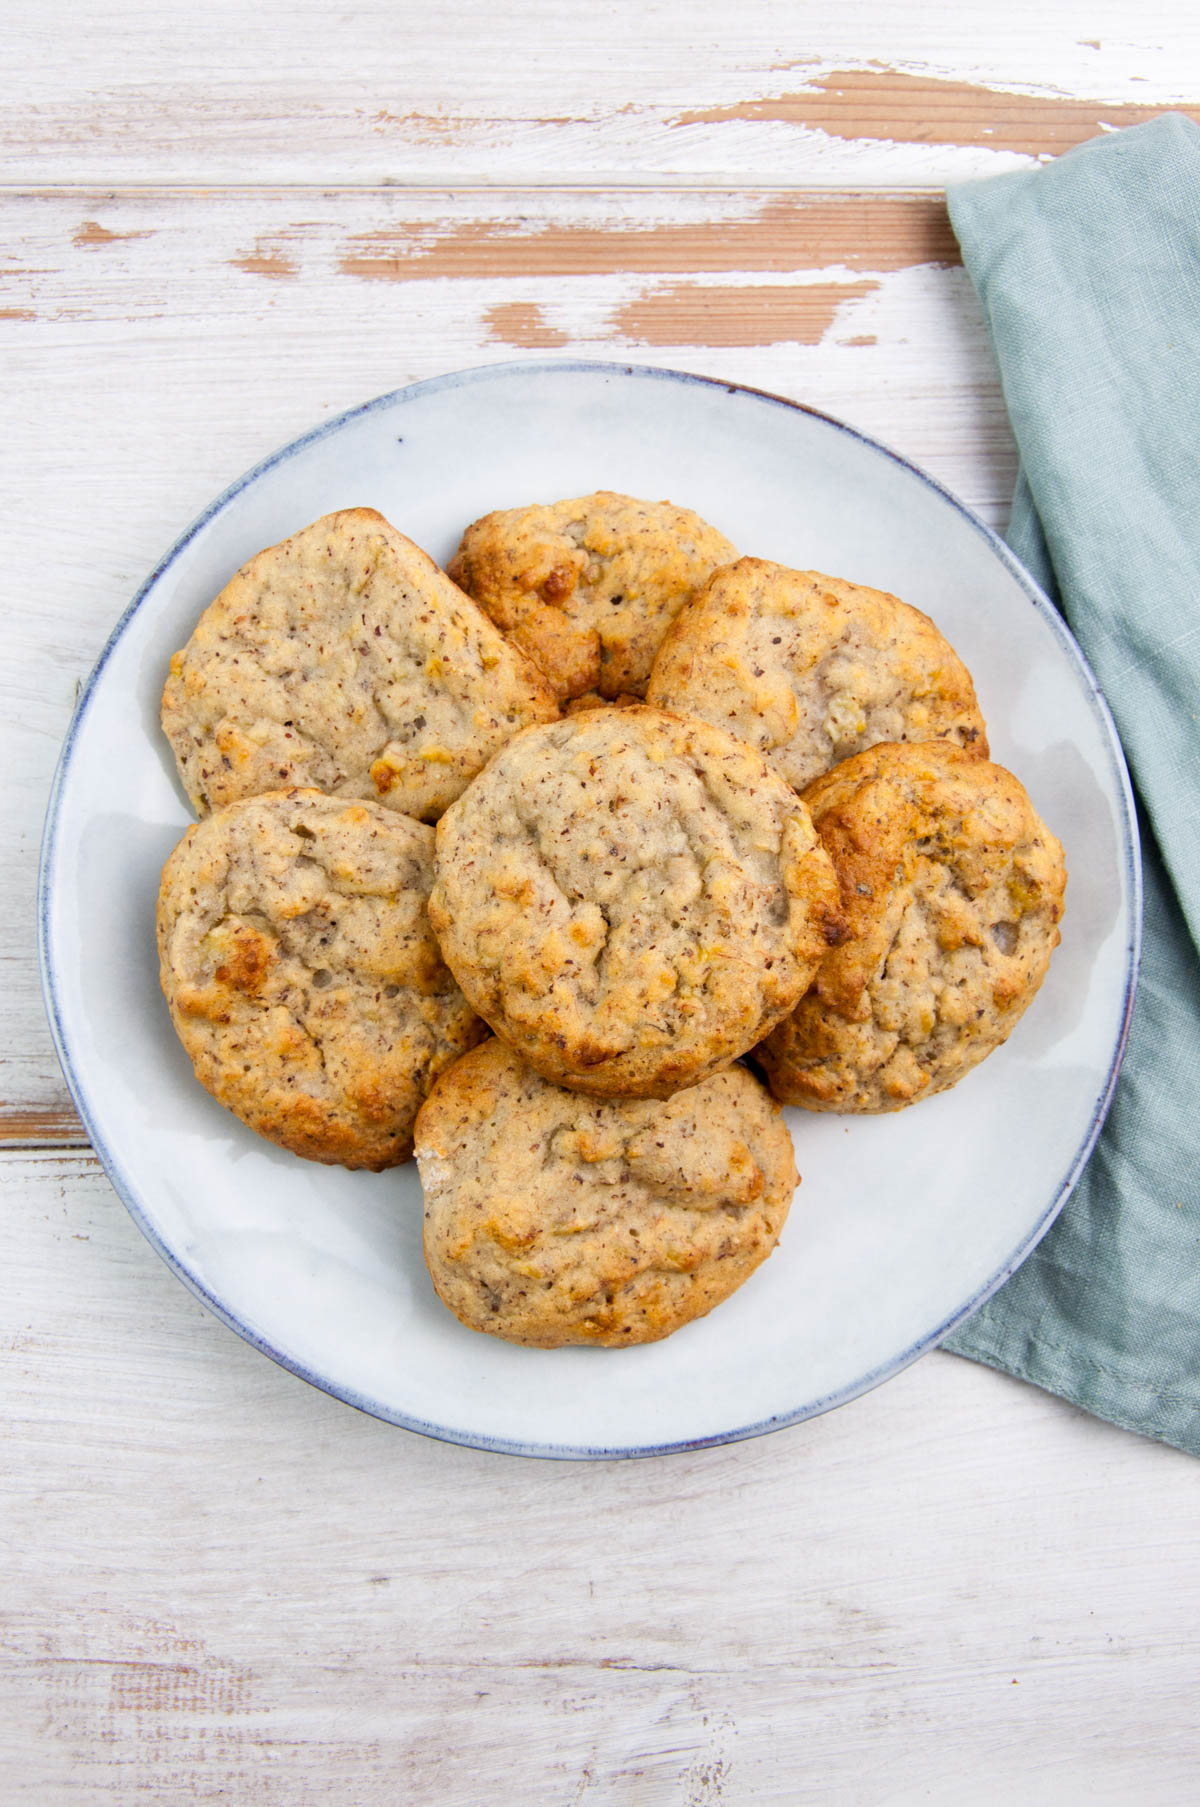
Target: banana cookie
(588, 587)
(302, 975)
(952, 887)
(553, 1219)
(631, 899)
(343, 658)
(811, 670)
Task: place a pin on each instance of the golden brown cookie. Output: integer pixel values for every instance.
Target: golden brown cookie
(953, 887)
(553, 1219)
(811, 670)
(302, 975)
(626, 896)
(588, 587)
(343, 658)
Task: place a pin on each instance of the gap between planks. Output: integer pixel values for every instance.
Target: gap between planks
(461, 185)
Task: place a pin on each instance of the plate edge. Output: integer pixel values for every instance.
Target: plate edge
(48, 852)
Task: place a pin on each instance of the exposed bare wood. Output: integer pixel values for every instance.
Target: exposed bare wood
(690, 313)
(893, 105)
(861, 232)
(91, 235)
(543, 93)
(274, 264)
(47, 1125)
(522, 324)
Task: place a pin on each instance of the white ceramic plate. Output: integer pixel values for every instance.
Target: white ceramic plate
(902, 1225)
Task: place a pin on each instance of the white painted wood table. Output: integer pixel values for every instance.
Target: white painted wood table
(218, 1584)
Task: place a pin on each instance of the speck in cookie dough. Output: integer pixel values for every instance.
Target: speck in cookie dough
(553, 1219)
(588, 587)
(811, 670)
(344, 659)
(302, 975)
(631, 899)
(952, 887)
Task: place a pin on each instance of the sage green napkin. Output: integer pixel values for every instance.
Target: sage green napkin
(1088, 270)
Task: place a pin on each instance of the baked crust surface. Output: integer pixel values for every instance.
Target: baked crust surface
(952, 887)
(588, 587)
(554, 1219)
(303, 977)
(631, 899)
(811, 670)
(343, 658)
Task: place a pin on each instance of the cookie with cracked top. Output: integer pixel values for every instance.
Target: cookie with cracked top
(553, 1219)
(631, 899)
(812, 670)
(952, 886)
(589, 586)
(302, 975)
(345, 659)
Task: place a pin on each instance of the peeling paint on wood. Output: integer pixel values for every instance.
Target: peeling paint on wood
(875, 233)
(689, 313)
(266, 261)
(900, 108)
(522, 324)
(446, 128)
(92, 235)
(31, 1126)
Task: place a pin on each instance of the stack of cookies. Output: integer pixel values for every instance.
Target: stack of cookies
(689, 808)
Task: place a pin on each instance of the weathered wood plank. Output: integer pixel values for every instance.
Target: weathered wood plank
(893, 105)
(542, 92)
(706, 232)
(98, 255)
(45, 1126)
(955, 1586)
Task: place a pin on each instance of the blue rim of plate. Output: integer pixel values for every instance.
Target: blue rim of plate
(124, 1186)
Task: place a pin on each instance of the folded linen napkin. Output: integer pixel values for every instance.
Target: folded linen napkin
(1089, 274)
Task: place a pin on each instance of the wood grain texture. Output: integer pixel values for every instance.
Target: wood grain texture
(939, 1592)
(219, 226)
(44, 1126)
(892, 232)
(749, 314)
(544, 91)
(892, 105)
(116, 257)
